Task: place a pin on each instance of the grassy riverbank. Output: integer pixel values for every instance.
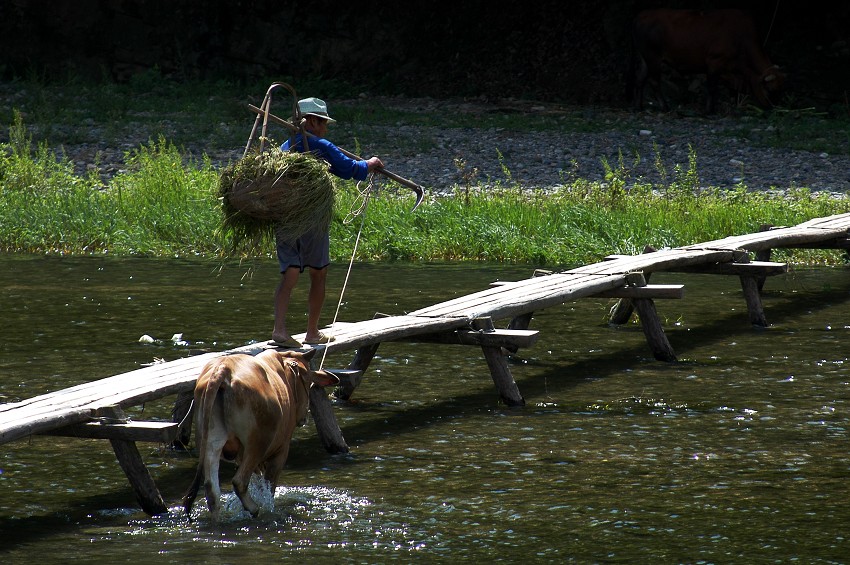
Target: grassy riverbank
(164, 203)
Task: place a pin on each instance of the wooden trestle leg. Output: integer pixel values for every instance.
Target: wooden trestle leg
(134, 467)
(326, 423)
(652, 329)
(498, 365)
(182, 414)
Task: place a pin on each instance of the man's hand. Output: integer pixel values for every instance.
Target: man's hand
(374, 163)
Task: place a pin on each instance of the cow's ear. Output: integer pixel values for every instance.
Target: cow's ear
(307, 355)
(323, 378)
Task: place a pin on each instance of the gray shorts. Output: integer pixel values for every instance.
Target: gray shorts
(310, 250)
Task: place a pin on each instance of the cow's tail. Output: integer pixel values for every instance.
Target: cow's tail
(204, 404)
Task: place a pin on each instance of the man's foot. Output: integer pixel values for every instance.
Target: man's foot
(321, 338)
(288, 341)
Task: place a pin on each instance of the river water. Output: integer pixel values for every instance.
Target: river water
(738, 452)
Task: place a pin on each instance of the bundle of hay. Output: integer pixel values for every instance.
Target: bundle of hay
(275, 191)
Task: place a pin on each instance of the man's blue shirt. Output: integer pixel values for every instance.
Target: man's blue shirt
(341, 165)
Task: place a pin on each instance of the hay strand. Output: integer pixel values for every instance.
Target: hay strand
(276, 191)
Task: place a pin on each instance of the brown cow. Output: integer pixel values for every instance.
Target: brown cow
(246, 409)
(722, 44)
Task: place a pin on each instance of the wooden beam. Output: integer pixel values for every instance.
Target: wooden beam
(495, 338)
(346, 376)
(157, 432)
(622, 311)
(751, 269)
(362, 358)
(648, 291)
(837, 243)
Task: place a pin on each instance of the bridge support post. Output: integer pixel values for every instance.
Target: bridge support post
(498, 365)
(520, 322)
(134, 467)
(326, 423)
(182, 414)
(652, 329)
(750, 286)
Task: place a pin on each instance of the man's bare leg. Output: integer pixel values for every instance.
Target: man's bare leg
(282, 295)
(316, 299)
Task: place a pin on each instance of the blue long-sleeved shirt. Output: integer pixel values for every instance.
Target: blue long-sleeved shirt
(341, 165)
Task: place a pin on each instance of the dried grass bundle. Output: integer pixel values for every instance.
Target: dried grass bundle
(275, 191)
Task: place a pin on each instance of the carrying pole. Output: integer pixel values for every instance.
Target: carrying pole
(418, 189)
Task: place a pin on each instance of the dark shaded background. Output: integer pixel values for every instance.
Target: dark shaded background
(555, 50)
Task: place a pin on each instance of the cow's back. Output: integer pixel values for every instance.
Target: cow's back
(260, 405)
(722, 44)
(694, 40)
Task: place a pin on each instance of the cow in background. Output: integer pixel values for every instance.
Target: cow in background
(722, 44)
(247, 408)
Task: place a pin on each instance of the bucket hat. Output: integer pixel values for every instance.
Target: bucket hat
(314, 107)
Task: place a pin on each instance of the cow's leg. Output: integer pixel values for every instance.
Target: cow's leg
(275, 465)
(214, 444)
(641, 72)
(242, 479)
(653, 78)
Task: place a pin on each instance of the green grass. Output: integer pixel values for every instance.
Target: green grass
(165, 202)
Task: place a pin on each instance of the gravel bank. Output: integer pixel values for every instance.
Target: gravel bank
(544, 160)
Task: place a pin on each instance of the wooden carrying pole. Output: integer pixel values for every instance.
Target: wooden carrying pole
(418, 189)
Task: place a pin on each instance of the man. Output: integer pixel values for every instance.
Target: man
(312, 249)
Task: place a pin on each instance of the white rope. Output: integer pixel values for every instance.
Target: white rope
(360, 211)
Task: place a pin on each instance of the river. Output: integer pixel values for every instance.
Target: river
(738, 452)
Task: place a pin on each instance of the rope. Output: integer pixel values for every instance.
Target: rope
(772, 21)
(365, 195)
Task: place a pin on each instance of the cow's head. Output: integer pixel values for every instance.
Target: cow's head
(773, 78)
(772, 81)
(296, 364)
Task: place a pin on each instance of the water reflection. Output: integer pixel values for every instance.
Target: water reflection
(737, 452)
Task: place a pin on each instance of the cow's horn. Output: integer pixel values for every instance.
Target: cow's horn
(307, 355)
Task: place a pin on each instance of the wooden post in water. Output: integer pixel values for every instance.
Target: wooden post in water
(134, 467)
(520, 322)
(650, 323)
(622, 311)
(325, 420)
(498, 365)
(182, 414)
(750, 286)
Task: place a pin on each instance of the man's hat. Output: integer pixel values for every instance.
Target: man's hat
(314, 107)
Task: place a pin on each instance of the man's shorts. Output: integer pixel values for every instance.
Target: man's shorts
(310, 250)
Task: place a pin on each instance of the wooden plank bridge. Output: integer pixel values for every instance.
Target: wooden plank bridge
(95, 409)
